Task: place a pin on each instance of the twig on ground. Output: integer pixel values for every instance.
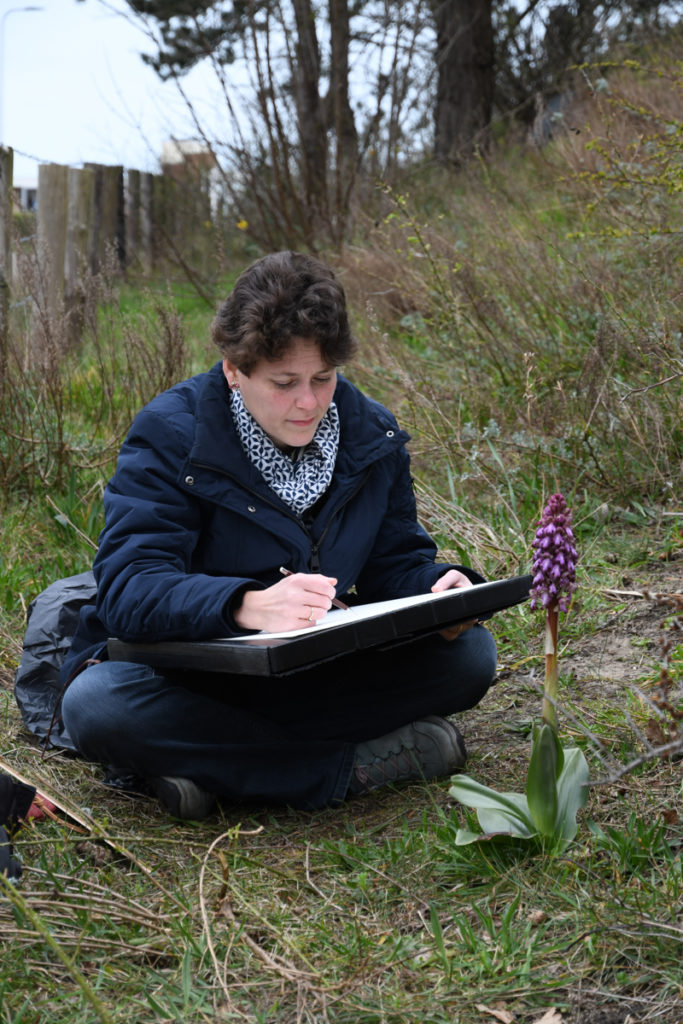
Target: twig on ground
(92, 827)
(23, 905)
(220, 974)
(668, 750)
(646, 595)
(328, 902)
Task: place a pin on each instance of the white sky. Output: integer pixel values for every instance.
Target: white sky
(74, 89)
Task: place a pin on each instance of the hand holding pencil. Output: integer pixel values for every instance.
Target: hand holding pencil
(335, 601)
(298, 600)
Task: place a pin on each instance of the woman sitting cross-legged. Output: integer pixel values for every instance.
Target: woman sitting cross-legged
(269, 459)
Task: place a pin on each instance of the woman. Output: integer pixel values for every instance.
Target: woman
(270, 459)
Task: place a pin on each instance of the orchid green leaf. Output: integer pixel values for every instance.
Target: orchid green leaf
(497, 812)
(502, 819)
(464, 838)
(541, 784)
(572, 794)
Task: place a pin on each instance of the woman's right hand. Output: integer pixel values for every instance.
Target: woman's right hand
(299, 600)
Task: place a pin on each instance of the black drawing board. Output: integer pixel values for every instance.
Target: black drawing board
(388, 623)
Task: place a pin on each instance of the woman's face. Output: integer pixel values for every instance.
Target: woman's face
(289, 397)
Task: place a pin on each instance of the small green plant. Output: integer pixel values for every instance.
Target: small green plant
(556, 780)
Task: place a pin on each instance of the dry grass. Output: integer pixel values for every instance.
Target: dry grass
(526, 348)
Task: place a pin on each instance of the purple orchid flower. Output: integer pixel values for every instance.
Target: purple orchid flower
(555, 557)
(554, 582)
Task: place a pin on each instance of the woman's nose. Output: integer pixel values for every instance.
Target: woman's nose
(306, 399)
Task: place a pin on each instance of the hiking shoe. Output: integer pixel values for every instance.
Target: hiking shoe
(422, 750)
(183, 798)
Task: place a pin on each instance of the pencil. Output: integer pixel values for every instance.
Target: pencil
(335, 601)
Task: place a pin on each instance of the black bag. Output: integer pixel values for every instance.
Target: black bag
(51, 620)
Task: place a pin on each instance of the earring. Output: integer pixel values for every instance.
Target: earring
(234, 386)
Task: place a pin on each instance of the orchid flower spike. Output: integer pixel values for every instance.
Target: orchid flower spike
(555, 557)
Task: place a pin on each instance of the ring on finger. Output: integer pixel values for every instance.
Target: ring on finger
(310, 617)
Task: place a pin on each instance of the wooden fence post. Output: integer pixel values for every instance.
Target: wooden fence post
(109, 228)
(6, 164)
(164, 218)
(146, 219)
(52, 211)
(80, 218)
(132, 212)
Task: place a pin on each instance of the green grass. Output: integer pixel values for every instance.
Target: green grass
(527, 348)
(369, 913)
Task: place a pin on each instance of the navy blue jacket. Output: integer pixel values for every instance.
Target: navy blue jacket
(191, 523)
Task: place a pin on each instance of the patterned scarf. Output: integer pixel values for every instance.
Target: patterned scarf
(300, 478)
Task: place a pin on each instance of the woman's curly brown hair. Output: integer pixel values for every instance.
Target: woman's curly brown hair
(280, 297)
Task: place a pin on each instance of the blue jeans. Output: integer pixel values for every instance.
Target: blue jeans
(271, 739)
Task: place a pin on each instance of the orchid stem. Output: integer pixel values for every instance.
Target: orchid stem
(550, 689)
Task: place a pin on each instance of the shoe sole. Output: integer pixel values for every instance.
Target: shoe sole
(457, 758)
(183, 798)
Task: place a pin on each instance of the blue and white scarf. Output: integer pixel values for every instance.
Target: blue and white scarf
(300, 478)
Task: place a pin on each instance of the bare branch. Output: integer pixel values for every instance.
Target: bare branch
(649, 387)
(673, 749)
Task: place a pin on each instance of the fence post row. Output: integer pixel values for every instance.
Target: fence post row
(87, 218)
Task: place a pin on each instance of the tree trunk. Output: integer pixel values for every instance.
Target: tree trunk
(341, 114)
(465, 71)
(309, 107)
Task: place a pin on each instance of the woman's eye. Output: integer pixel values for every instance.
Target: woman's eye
(317, 382)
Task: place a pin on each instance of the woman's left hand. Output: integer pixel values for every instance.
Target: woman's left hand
(453, 580)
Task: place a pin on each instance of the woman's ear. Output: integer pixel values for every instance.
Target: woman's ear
(230, 374)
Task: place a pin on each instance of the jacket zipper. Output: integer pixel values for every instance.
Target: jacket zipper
(314, 560)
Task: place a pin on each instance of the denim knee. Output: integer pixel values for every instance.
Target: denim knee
(94, 708)
(481, 653)
(477, 661)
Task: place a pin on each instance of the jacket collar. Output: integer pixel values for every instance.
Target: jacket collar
(368, 431)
